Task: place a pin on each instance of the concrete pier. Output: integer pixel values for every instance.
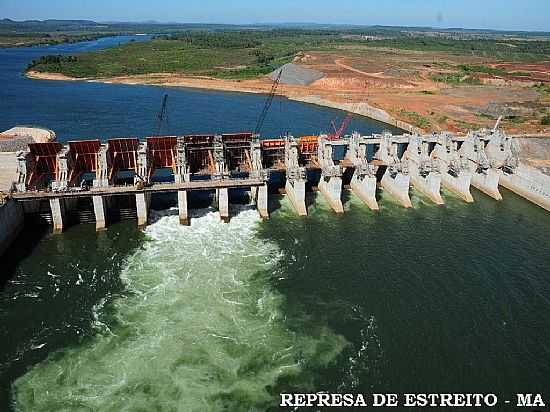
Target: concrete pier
(100, 212)
(485, 177)
(425, 176)
(396, 178)
(528, 183)
(262, 201)
(295, 185)
(363, 181)
(364, 188)
(330, 184)
(429, 186)
(397, 186)
(182, 207)
(223, 204)
(142, 208)
(486, 181)
(456, 174)
(331, 189)
(57, 207)
(459, 185)
(296, 193)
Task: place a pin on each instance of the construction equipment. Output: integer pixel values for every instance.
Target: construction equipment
(343, 126)
(162, 115)
(268, 102)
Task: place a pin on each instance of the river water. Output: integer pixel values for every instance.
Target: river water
(224, 317)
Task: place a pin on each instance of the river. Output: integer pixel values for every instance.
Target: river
(224, 317)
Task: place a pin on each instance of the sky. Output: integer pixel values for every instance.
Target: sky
(481, 14)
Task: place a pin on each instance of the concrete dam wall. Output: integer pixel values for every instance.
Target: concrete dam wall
(11, 223)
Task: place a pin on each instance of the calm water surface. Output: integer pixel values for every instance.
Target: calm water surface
(223, 317)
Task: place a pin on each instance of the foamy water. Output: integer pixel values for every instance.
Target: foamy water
(198, 329)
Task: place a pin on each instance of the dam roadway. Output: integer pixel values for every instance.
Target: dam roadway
(234, 183)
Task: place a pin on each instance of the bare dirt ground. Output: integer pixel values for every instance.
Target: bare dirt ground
(398, 85)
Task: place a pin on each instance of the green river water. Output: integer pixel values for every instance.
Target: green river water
(224, 317)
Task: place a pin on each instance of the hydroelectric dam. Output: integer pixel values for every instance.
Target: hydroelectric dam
(116, 179)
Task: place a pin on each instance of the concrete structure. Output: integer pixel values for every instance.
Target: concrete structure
(295, 186)
(363, 181)
(223, 204)
(484, 177)
(143, 200)
(396, 178)
(425, 175)
(528, 183)
(100, 212)
(330, 184)
(125, 168)
(182, 207)
(57, 206)
(11, 223)
(456, 175)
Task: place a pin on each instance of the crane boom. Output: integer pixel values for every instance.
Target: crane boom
(268, 102)
(161, 116)
(343, 126)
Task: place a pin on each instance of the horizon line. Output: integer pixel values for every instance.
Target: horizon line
(156, 22)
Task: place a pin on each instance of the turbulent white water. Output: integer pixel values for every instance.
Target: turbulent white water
(200, 329)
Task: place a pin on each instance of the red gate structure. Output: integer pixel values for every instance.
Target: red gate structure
(122, 154)
(273, 153)
(200, 154)
(237, 151)
(85, 156)
(308, 146)
(162, 153)
(45, 160)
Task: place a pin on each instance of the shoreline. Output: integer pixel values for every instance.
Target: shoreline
(238, 86)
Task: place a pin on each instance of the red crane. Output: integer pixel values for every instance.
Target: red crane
(343, 127)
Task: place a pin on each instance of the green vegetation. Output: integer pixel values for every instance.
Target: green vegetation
(467, 74)
(543, 89)
(41, 39)
(516, 50)
(515, 119)
(53, 61)
(416, 119)
(545, 121)
(235, 55)
(238, 53)
(455, 78)
(482, 69)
